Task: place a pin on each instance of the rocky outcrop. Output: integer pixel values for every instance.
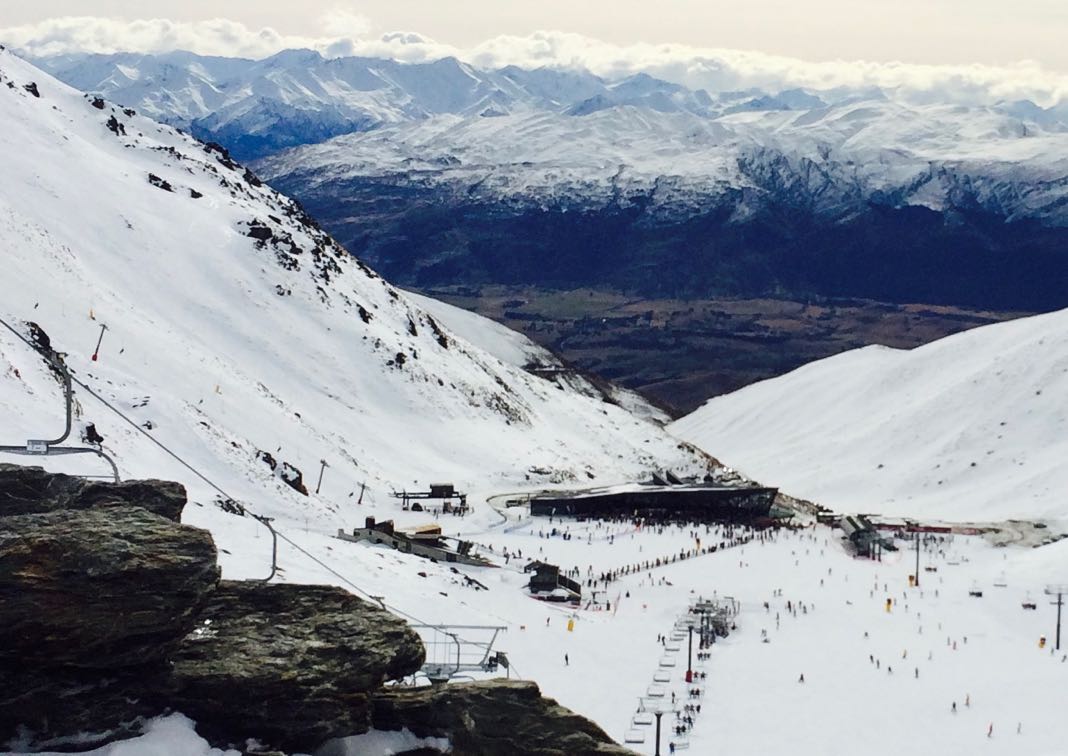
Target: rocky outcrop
(92, 599)
(31, 490)
(99, 588)
(110, 612)
(490, 718)
(290, 665)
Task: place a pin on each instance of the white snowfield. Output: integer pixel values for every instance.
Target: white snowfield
(218, 347)
(888, 680)
(973, 426)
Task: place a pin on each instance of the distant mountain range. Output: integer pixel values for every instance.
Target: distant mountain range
(258, 107)
(873, 199)
(445, 173)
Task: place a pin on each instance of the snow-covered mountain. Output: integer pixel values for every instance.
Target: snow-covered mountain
(829, 159)
(876, 199)
(968, 427)
(236, 325)
(444, 172)
(256, 107)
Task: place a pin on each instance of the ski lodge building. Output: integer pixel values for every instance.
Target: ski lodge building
(664, 498)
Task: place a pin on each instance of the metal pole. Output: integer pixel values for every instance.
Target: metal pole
(917, 559)
(96, 352)
(1060, 603)
(274, 546)
(689, 661)
(658, 715)
(322, 467)
(1058, 591)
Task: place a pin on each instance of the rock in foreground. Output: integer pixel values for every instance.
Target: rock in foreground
(31, 490)
(289, 665)
(492, 717)
(99, 588)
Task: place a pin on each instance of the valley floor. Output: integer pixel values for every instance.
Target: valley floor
(680, 353)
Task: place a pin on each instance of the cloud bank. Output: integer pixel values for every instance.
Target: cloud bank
(345, 34)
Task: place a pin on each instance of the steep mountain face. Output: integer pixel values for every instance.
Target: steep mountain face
(874, 199)
(968, 427)
(241, 334)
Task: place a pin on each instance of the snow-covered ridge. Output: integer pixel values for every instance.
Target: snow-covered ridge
(237, 325)
(834, 160)
(968, 427)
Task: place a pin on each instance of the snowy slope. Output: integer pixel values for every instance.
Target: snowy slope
(969, 427)
(938, 646)
(516, 349)
(256, 343)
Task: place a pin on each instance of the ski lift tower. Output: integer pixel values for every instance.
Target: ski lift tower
(658, 707)
(1058, 591)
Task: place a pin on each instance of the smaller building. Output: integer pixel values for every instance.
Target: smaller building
(546, 583)
(425, 541)
(863, 535)
(452, 501)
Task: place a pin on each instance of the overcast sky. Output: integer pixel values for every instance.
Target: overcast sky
(994, 32)
(956, 51)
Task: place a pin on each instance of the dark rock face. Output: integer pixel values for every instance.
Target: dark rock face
(41, 708)
(99, 588)
(288, 665)
(491, 718)
(31, 490)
